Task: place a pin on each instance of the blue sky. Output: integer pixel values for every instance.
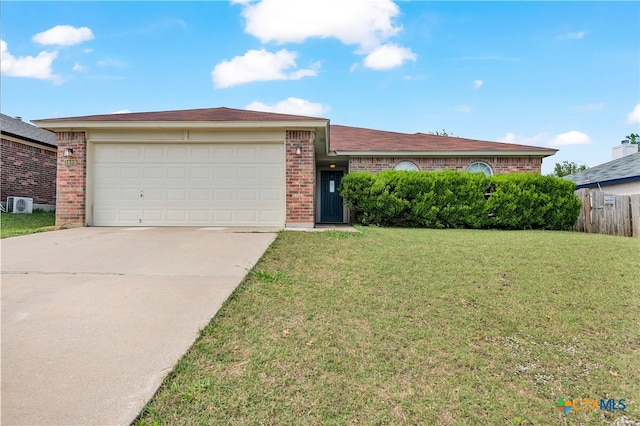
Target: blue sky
(557, 74)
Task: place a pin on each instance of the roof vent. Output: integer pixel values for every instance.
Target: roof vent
(18, 118)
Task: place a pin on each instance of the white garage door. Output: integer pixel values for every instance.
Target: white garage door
(188, 185)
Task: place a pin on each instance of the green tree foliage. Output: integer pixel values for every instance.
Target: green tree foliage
(442, 133)
(634, 138)
(567, 168)
(452, 199)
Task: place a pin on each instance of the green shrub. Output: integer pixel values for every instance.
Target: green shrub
(451, 199)
(532, 201)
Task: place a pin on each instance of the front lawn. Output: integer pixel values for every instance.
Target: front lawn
(407, 326)
(13, 224)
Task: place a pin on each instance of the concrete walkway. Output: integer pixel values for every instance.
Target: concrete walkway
(94, 318)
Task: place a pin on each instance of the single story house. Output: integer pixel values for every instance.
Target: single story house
(28, 162)
(620, 176)
(231, 167)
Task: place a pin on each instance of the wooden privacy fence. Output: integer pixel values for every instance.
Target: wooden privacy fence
(610, 214)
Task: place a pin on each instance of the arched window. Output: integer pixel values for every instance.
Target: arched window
(406, 165)
(481, 167)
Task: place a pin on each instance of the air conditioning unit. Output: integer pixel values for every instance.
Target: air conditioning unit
(20, 205)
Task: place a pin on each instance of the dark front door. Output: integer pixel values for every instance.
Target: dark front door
(330, 199)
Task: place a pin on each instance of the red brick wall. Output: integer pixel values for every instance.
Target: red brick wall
(499, 165)
(300, 177)
(27, 171)
(72, 179)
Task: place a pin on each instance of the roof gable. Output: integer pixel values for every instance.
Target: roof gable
(624, 168)
(18, 128)
(205, 114)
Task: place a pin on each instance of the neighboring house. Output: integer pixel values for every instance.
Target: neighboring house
(229, 167)
(620, 176)
(28, 161)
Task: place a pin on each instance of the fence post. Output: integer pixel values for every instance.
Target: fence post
(635, 215)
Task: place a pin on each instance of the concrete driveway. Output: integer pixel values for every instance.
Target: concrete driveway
(94, 318)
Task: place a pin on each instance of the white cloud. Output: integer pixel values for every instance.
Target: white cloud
(27, 66)
(463, 108)
(477, 84)
(634, 116)
(79, 67)
(590, 107)
(538, 139)
(388, 56)
(63, 35)
(366, 23)
(260, 65)
(572, 137)
(571, 36)
(292, 105)
(122, 111)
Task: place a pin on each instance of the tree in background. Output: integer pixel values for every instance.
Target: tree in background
(567, 168)
(442, 133)
(634, 138)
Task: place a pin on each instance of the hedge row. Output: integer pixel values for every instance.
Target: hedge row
(452, 199)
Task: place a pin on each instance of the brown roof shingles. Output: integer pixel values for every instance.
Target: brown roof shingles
(204, 114)
(344, 138)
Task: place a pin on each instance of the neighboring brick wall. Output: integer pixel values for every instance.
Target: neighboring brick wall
(27, 171)
(72, 179)
(300, 177)
(499, 165)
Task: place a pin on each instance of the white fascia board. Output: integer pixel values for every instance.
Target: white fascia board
(445, 153)
(82, 125)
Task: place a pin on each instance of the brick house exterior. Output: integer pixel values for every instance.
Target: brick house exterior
(499, 165)
(309, 148)
(28, 162)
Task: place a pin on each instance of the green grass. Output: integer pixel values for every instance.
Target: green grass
(12, 224)
(404, 326)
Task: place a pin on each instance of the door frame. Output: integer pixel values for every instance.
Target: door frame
(318, 194)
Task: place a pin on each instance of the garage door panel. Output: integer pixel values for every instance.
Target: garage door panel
(154, 194)
(152, 153)
(177, 215)
(200, 173)
(222, 154)
(209, 185)
(200, 216)
(177, 172)
(130, 153)
(153, 215)
(247, 217)
(223, 194)
(247, 173)
(176, 194)
(248, 194)
(153, 172)
(269, 195)
(200, 194)
(271, 153)
(224, 217)
(128, 215)
(129, 194)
